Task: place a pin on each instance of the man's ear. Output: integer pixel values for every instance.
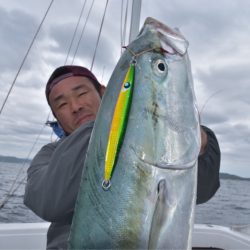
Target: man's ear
(102, 90)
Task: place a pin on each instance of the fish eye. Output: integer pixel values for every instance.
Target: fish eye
(160, 67)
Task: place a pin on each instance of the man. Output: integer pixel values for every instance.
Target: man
(74, 95)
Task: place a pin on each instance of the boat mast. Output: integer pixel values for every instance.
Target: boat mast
(135, 19)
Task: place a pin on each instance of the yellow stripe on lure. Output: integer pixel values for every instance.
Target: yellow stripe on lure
(118, 125)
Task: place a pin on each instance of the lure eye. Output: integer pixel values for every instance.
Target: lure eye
(126, 85)
(160, 67)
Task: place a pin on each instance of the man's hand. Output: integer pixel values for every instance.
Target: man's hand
(203, 141)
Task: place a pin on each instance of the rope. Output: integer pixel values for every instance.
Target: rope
(99, 34)
(71, 43)
(26, 55)
(78, 44)
(13, 189)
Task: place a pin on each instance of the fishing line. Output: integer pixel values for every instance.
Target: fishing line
(135, 55)
(209, 98)
(26, 55)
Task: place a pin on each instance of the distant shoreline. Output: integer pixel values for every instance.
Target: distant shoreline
(12, 159)
(232, 177)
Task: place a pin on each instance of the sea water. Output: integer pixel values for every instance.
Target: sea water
(229, 206)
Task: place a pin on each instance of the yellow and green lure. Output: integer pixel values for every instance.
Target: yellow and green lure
(118, 125)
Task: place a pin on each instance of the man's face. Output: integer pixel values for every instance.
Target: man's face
(74, 101)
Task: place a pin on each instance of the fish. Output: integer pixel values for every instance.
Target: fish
(150, 203)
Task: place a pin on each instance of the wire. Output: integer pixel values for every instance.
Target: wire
(71, 43)
(26, 55)
(99, 34)
(11, 191)
(83, 29)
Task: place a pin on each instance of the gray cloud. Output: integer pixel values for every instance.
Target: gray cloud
(16, 28)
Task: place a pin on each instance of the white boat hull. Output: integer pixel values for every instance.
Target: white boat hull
(33, 236)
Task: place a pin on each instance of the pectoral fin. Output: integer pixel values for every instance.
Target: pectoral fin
(162, 213)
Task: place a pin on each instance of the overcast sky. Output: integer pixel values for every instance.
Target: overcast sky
(218, 32)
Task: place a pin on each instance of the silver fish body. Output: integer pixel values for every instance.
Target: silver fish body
(151, 201)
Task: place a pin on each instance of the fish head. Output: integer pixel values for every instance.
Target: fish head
(164, 112)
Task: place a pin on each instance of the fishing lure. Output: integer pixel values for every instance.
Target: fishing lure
(118, 125)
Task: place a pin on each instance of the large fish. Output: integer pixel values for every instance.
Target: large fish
(150, 203)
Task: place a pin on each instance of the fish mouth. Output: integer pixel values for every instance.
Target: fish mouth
(172, 41)
(180, 165)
